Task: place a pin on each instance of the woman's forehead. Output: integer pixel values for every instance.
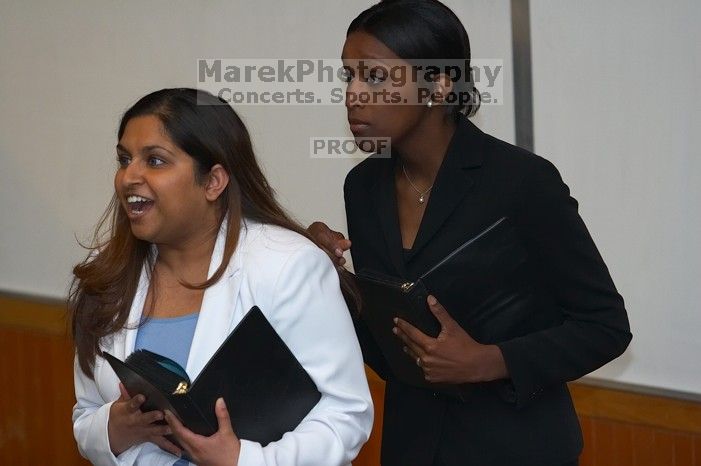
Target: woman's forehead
(361, 45)
(145, 130)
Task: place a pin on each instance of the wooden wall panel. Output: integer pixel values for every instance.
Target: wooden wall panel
(684, 450)
(35, 409)
(636, 408)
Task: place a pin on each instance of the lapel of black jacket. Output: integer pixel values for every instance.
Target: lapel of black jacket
(454, 180)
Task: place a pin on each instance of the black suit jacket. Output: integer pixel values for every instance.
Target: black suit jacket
(538, 289)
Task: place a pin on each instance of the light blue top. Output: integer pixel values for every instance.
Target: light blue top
(170, 337)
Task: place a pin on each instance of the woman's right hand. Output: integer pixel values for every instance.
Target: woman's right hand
(128, 426)
(333, 242)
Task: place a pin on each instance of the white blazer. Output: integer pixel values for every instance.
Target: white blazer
(295, 285)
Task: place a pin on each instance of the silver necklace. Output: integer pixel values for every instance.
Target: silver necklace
(422, 194)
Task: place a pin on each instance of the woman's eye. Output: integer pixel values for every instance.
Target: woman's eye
(377, 75)
(123, 160)
(155, 161)
(346, 75)
(376, 79)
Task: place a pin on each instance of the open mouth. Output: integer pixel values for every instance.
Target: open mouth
(138, 205)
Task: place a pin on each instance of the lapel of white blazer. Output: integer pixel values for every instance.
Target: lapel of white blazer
(217, 312)
(125, 347)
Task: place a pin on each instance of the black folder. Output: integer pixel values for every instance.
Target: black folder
(385, 297)
(266, 390)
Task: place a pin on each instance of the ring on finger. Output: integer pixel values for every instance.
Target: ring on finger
(418, 361)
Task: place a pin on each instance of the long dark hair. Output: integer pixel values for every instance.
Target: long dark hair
(211, 132)
(421, 31)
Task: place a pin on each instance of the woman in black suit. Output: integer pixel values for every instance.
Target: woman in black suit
(530, 307)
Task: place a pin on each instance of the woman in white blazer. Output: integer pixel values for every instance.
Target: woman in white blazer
(194, 233)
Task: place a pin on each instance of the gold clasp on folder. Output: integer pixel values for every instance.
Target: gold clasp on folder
(181, 389)
(407, 286)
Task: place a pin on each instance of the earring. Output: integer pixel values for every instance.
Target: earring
(429, 104)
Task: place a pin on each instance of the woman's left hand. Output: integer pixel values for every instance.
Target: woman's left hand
(453, 357)
(220, 449)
